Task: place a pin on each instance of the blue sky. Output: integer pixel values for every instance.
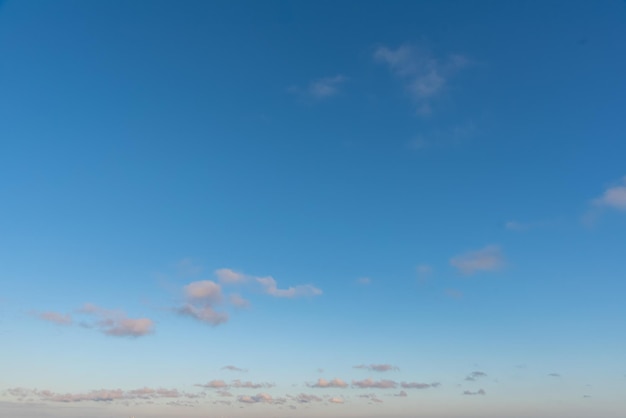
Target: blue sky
(319, 209)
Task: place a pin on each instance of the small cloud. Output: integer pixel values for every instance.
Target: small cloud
(554, 375)
(417, 385)
(232, 368)
(116, 323)
(613, 197)
(364, 281)
(401, 394)
(336, 400)
(516, 226)
(204, 314)
(334, 383)
(478, 392)
(205, 290)
(187, 267)
(214, 384)
(259, 398)
(425, 77)
(374, 384)
(250, 385)
(377, 367)
(270, 287)
(306, 398)
(228, 276)
(202, 296)
(322, 88)
(239, 302)
(473, 376)
(454, 294)
(424, 271)
(372, 397)
(489, 258)
(55, 317)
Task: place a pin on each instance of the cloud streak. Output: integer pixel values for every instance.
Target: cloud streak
(377, 367)
(489, 258)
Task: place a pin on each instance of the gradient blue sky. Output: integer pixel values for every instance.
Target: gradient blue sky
(317, 209)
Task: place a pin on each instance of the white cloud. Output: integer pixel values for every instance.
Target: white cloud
(613, 197)
(270, 287)
(489, 258)
(377, 367)
(425, 76)
(116, 323)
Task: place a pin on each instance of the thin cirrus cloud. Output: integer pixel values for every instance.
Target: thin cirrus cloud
(489, 258)
(613, 197)
(374, 384)
(116, 323)
(425, 77)
(333, 383)
(321, 88)
(377, 367)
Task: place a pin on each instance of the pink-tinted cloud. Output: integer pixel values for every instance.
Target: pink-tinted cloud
(238, 302)
(214, 384)
(205, 290)
(489, 258)
(260, 398)
(228, 276)
(250, 385)
(377, 367)
(232, 368)
(204, 314)
(102, 395)
(55, 317)
(454, 294)
(270, 287)
(374, 384)
(364, 281)
(613, 197)
(336, 400)
(116, 323)
(334, 383)
(202, 296)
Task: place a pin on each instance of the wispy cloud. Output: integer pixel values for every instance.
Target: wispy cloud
(489, 258)
(364, 281)
(425, 77)
(374, 384)
(228, 276)
(478, 392)
(188, 267)
(236, 384)
(238, 301)
(418, 385)
(336, 399)
(260, 398)
(453, 294)
(270, 287)
(323, 383)
(116, 323)
(613, 197)
(55, 317)
(473, 376)
(401, 394)
(321, 88)
(305, 398)
(372, 397)
(447, 137)
(377, 367)
(232, 368)
(424, 271)
(554, 375)
(101, 395)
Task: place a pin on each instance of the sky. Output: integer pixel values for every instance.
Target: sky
(312, 209)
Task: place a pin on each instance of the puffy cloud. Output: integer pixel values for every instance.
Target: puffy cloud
(478, 392)
(202, 296)
(335, 399)
(55, 317)
(377, 367)
(613, 197)
(234, 368)
(260, 398)
(270, 287)
(205, 290)
(334, 383)
(116, 323)
(214, 384)
(204, 314)
(489, 258)
(228, 276)
(377, 384)
(417, 385)
(473, 376)
(425, 77)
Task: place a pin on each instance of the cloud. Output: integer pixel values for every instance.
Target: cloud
(238, 302)
(234, 368)
(321, 88)
(377, 384)
(260, 398)
(116, 323)
(554, 375)
(443, 137)
(416, 385)
(55, 317)
(102, 395)
(336, 400)
(270, 288)
(306, 398)
(425, 77)
(401, 394)
(187, 267)
(214, 384)
(473, 376)
(453, 293)
(489, 258)
(202, 296)
(613, 197)
(478, 392)
(372, 397)
(228, 276)
(334, 383)
(377, 367)
(364, 281)
(250, 385)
